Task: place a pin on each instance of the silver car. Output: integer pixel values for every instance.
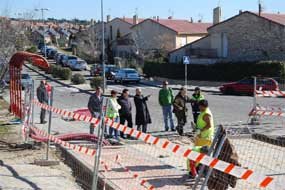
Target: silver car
(79, 65)
(127, 75)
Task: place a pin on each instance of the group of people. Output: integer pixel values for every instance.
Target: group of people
(43, 94)
(120, 110)
(203, 119)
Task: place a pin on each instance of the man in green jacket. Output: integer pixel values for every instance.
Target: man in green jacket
(165, 100)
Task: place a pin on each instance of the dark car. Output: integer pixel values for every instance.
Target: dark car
(51, 53)
(110, 71)
(59, 59)
(246, 86)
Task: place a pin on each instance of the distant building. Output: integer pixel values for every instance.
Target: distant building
(245, 37)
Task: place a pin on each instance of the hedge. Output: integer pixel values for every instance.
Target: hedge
(216, 72)
(32, 49)
(59, 72)
(77, 79)
(96, 82)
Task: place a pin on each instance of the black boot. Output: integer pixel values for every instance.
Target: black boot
(179, 130)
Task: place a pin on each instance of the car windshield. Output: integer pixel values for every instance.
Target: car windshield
(71, 57)
(25, 76)
(246, 81)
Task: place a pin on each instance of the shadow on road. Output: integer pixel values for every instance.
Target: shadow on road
(17, 176)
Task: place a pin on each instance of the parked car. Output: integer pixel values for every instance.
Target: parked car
(45, 48)
(79, 65)
(96, 70)
(246, 86)
(51, 53)
(110, 71)
(59, 58)
(68, 60)
(127, 75)
(26, 80)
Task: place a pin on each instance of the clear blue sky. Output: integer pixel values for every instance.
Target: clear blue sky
(87, 9)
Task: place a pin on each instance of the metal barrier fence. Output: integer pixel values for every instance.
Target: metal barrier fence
(176, 160)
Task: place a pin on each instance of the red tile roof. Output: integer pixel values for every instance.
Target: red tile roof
(179, 26)
(279, 18)
(184, 26)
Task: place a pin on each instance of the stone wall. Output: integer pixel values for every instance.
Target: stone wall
(252, 38)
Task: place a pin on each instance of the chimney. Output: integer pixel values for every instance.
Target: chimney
(191, 20)
(108, 18)
(259, 9)
(217, 14)
(135, 19)
(157, 18)
(170, 17)
(240, 11)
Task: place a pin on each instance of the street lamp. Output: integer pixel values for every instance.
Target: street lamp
(103, 46)
(42, 11)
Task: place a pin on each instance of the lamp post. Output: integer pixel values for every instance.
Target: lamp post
(103, 46)
(42, 12)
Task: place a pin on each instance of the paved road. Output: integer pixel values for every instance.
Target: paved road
(229, 110)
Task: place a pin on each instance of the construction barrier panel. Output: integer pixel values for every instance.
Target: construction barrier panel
(239, 171)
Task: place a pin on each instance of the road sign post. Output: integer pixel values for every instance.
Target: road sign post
(186, 62)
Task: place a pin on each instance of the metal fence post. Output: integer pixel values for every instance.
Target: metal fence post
(32, 104)
(49, 122)
(254, 119)
(100, 133)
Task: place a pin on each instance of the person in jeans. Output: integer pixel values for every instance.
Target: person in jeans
(113, 113)
(42, 96)
(165, 100)
(142, 113)
(125, 111)
(94, 106)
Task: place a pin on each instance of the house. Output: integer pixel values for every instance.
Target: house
(167, 34)
(247, 36)
(119, 27)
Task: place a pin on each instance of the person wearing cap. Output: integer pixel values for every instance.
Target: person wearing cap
(142, 113)
(113, 113)
(180, 109)
(94, 106)
(205, 133)
(196, 97)
(165, 99)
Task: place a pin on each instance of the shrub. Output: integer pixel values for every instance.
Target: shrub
(216, 72)
(65, 73)
(96, 81)
(32, 49)
(55, 71)
(78, 79)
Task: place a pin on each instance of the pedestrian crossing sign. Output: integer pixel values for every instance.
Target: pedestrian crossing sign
(186, 60)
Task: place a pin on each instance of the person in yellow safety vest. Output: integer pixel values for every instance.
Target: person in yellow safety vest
(205, 134)
(196, 97)
(113, 113)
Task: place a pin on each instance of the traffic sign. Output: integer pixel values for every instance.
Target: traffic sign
(186, 60)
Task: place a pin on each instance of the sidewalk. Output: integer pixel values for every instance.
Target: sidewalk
(16, 162)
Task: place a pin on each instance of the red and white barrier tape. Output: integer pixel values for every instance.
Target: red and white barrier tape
(135, 176)
(261, 111)
(263, 93)
(65, 113)
(260, 108)
(257, 178)
(76, 148)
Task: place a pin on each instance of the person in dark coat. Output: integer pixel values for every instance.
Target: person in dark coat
(142, 113)
(94, 106)
(180, 109)
(125, 111)
(42, 96)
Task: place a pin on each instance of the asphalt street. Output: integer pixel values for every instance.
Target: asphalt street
(227, 110)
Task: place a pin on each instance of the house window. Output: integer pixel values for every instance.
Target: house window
(183, 41)
(224, 45)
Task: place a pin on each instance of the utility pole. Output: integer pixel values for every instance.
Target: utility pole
(103, 46)
(43, 20)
